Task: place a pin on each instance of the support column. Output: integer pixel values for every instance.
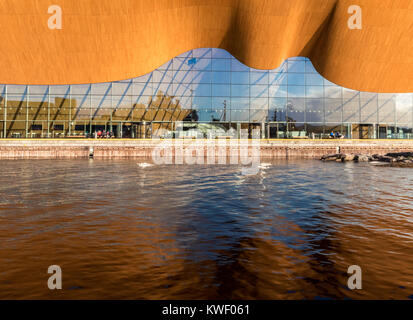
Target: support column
(27, 113)
(262, 130)
(90, 114)
(144, 130)
(111, 109)
(70, 110)
(5, 115)
(48, 112)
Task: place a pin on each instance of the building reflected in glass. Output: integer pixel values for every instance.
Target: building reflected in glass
(206, 92)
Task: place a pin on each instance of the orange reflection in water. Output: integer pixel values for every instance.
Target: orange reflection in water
(120, 231)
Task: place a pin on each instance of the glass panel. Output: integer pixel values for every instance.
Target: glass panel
(278, 91)
(239, 90)
(315, 110)
(259, 91)
(258, 115)
(163, 88)
(220, 90)
(101, 88)
(202, 53)
(259, 77)
(240, 77)
(333, 110)
(277, 79)
(240, 103)
(122, 88)
(200, 63)
(36, 90)
(82, 109)
(221, 77)
(203, 90)
(333, 92)
(238, 66)
(314, 79)
(387, 108)
(296, 79)
(187, 90)
(16, 89)
(351, 106)
(240, 115)
(296, 91)
(79, 89)
(220, 53)
(296, 66)
(59, 90)
(101, 107)
(201, 77)
(404, 109)
(139, 89)
(202, 102)
(314, 91)
(183, 63)
(259, 103)
(350, 111)
(309, 68)
(162, 76)
(221, 64)
(295, 110)
(368, 107)
(189, 76)
(277, 110)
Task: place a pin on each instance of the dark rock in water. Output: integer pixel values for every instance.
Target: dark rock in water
(331, 157)
(399, 159)
(385, 159)
(400, 154)
(349, 157)
(361, 158)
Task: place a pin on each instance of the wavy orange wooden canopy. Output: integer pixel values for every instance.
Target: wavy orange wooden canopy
(108, 40)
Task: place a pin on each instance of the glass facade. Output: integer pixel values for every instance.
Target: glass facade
(206, 92)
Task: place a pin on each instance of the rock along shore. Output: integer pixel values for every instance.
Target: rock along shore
(399, 159)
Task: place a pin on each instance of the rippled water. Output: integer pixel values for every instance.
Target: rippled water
(123, 231)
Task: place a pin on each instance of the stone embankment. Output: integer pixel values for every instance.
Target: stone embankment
(402, 159)
(140, 148)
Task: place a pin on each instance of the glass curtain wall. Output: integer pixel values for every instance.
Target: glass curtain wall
(202, 93)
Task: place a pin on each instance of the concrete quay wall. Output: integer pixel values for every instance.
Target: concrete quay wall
(134, 148)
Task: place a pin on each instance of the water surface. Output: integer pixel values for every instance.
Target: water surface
(123, 231)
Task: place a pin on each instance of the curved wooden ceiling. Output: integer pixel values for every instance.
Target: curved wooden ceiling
(108, 40)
